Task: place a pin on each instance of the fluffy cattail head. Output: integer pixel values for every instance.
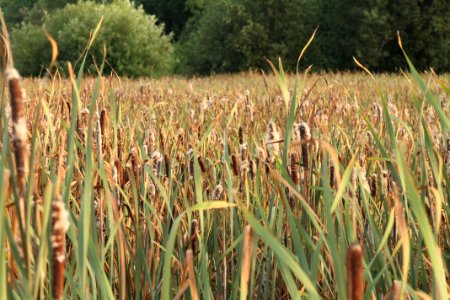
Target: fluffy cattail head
(305, 134)
(295, 168)
(60, 225)
(272, 138)
(20, 132)
(217, 192)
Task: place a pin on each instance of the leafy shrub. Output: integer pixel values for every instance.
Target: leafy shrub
(136, 46)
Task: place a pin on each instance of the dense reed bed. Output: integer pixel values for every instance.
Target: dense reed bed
(251, 186)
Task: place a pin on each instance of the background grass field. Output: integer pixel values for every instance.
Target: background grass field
(160, 179)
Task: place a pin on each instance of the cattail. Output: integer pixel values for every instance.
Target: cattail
(103, 128)
(20, 135)
(243, 151)
(241, 135)
(201, 163)
(150, 140)
(217, 192)
(135, 164)
(272, 139)
(305, 136)
(157, 160)
(119, 143)
(235, 165)
(247, 257)
(252, 167)
(191, 239)
(152, 192)
(332, 173)
(262, 157)
(99, 138)
(167, 165)
(373, 185)
(60, 225)
(355, 285)
(295, 168)
(190, 156)
(82, 125)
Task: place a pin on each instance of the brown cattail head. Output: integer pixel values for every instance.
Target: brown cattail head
(157, 161)
(235, 165)
(241, 135)
(295, 168)
(60, 225)
(99, 138)
(252, 166)
(332, 173)
(355, 284)
(20, 134)
(305, 136)
(167, 164)
(201, 164)
(103, 127)
(243, 151)
(191, 239)
(119, 143)
(373, 185)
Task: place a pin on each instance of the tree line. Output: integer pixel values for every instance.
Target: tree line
(214, 36)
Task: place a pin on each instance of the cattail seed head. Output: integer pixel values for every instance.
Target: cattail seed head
(201, 163)
(252, 166)
(373, 185)
(332, 173)
(295, 168)
(217, 192)
(60, 225)
(272, 138)
(235, 165)
(355, 285)
(305, 136)
(103, 116)
(19, 122)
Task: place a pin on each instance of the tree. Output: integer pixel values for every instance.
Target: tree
(174, 14)
(135, 45)
(233, 35)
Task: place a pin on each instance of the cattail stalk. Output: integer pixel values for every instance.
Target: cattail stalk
(355, 285)
(247, 256)
(190, 267)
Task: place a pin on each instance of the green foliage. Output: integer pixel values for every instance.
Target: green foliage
(231, 35)
(135, 45)
(174, 14)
